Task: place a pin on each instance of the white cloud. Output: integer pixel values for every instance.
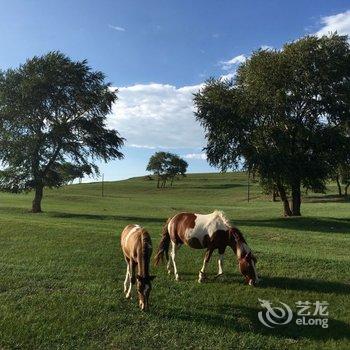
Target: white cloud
(135, 145)
(157, 116)
(201, 156)
(233, 61)
(266, 47)
(339, 23)
(119, 29)
(228, 76)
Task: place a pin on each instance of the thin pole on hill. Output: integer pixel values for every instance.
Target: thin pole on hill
(248, 187)
(102, 188)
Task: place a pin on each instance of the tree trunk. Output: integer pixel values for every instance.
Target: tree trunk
(346, 189)
(274, 195)
(296, 199)
(339, 186)
(284, 199)
(158, 181)
(36, 205)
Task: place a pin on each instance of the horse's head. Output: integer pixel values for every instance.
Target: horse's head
(247, 268)
(143, 290)
(246, 260)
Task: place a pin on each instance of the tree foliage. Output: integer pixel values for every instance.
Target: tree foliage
(53, 123)
(166, 166)
(282, 116)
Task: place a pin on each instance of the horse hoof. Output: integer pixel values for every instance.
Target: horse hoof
(202, 278)
(218, 275)
(177, 278)
(169, 272)
(128, 296)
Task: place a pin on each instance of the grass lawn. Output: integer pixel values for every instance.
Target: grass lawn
(61, 272)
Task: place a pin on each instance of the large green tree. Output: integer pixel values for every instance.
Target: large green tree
(282, 115)
(53, 124)
(341, 173)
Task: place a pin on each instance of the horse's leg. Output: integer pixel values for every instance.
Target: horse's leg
(201, 276)
(168, 266)
(131, 278)
(220, 262)
(173, 255)
(127, 276)
(220, 265)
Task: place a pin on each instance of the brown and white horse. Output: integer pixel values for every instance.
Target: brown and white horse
(211, 231)
(137, 249)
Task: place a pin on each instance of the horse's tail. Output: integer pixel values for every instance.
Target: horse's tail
(163, 245)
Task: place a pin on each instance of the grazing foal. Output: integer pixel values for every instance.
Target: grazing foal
(137, 249)
(210, 232)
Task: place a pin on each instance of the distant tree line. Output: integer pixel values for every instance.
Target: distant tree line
(166, 167)
(286, 116)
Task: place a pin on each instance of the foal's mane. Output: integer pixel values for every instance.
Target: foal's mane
(145, 244)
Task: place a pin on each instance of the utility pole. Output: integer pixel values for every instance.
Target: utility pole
(248, 187)
(102, 188)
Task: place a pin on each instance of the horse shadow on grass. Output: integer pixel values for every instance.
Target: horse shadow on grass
(316, 224)
(288, 283)
(306, 285)
(242, 319)
(186, 276)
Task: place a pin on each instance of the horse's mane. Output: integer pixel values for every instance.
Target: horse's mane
(220, 214)
(238, 235)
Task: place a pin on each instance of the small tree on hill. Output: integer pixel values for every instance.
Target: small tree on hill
(166, 166)
(53, 124)
(177, 167)
(156, 165)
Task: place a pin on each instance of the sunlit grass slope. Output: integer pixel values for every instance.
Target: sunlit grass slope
(61, 272)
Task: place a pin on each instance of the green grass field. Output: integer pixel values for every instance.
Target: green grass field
(61, 272)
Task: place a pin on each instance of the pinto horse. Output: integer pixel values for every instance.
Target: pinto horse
(210, 232)
(137, 249)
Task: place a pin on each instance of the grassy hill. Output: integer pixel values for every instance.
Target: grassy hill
(61, 272)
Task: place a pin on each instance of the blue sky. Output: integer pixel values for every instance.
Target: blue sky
(158, 53)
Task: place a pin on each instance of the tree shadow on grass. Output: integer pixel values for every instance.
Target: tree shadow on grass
(218, 186)
(330, 198)
(316, 224)
(14, 210)
(133, 219)
(243, 319)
